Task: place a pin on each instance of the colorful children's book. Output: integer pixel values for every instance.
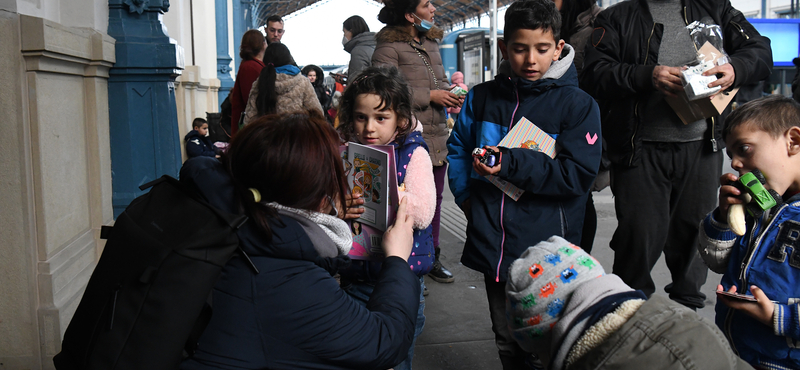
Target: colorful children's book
(371, 171)
(524, 134)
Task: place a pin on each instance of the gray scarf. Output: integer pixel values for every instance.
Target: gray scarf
(330, 235)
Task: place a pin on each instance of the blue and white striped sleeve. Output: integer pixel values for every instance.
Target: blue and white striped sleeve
(716, 243)
(786, 320)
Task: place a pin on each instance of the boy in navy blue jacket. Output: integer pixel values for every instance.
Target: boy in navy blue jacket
(763, 134)
(197, 144)
(542, 86)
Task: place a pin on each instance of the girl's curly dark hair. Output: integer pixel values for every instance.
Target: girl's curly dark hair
(387, 83)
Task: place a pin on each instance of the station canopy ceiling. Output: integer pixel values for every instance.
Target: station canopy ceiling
(450, 14)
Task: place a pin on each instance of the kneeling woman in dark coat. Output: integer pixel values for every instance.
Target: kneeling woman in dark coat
(292, 314)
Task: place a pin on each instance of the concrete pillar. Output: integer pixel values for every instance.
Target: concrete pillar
(243, 20)
(56, 171)
(145, 142)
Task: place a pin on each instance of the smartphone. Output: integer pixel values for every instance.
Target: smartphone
(741, 297)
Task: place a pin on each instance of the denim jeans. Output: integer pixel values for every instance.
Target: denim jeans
(361, 291)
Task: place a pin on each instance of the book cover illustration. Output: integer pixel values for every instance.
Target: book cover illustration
(525, 134)
(373, 174)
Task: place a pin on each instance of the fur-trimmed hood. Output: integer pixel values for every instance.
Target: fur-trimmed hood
(399, 34)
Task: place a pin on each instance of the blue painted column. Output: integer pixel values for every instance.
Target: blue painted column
(243, 20)
(143, 117)
(223, 55)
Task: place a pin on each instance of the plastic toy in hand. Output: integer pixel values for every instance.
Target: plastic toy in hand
(458, 91)
(486, 156)
(757, 199)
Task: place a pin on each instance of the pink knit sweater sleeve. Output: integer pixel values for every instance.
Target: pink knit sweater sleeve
(420, 189)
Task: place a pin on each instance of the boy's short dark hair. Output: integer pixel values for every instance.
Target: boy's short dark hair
(773, 114)
(274, 18)
(532, 15)
(198, 122)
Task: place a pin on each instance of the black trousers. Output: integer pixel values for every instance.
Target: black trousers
(659, 205)
(512, 356)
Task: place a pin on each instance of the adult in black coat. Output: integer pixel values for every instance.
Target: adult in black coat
(292, 314)
(666, 172)
(316, 76)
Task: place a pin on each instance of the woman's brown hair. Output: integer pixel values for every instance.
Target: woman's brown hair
(252, 43)
(292, 159)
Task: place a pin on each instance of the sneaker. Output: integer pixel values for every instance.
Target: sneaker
(441, 274)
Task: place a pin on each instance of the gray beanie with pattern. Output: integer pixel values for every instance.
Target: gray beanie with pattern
(539, 286)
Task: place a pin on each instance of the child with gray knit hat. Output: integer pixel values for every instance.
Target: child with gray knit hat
(563, 307)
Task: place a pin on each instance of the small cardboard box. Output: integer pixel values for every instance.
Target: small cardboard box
(692, 111)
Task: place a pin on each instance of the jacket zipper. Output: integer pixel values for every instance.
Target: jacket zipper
(686, 21)
(752, 252)
(503, 201)
(713, 135)
(741, 30)
(745, 266)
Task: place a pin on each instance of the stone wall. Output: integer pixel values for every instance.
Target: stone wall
(56, 172)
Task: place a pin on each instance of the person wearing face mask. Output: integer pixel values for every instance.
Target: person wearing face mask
(408, 42)
(359, 42)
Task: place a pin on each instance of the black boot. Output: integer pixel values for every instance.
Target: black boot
(439, 273)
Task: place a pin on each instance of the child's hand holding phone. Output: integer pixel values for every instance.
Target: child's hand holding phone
(758, 306)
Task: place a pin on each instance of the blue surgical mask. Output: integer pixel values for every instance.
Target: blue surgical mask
(423, 26)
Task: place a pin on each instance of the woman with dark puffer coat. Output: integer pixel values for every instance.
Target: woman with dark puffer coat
(291, 314)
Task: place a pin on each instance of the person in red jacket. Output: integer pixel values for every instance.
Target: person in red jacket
(252, 53)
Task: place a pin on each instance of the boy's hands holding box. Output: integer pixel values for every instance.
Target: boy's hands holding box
(725, 76)
(667, 80)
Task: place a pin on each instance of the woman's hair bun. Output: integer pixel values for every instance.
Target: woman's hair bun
(387, 15)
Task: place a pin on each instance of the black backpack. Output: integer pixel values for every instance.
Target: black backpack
(146, 302)
(225, 121)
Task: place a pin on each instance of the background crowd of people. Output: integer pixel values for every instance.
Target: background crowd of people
(596, 83)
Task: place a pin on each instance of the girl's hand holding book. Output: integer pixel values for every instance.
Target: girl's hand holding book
(399, 237)
(354, 206)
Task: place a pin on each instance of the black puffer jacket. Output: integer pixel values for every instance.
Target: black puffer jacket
(323, 94)
(292, 314)
(623, 52)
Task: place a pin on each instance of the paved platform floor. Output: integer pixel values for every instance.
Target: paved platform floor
(458, 333)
